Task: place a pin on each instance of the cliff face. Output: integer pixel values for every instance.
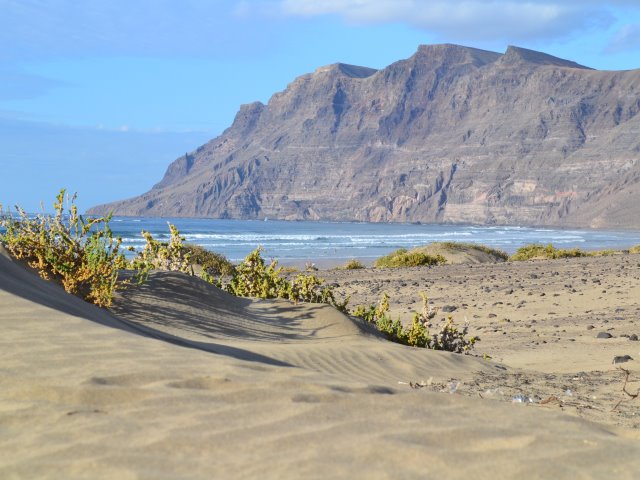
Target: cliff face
(452, 134)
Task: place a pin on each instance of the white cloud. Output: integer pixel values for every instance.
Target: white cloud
(469, 19)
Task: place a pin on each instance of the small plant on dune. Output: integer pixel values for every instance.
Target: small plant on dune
(254, 278)
(404, 258)
(352, 264)
(156, 255)
(452, 339)
(309, 288)
(449, 338)
(536, 251)
(635, 249)
(81, 254)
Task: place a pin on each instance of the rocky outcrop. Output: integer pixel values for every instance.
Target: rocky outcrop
(452, 134)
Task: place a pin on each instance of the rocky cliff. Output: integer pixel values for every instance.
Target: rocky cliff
(452, 134)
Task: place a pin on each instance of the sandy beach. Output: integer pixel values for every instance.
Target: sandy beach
(181, 380)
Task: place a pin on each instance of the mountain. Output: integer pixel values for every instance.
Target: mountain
(451, 134)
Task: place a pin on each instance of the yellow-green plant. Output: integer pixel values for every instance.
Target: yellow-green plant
(635, 249)
(352, 264)
(404, 258)
(449, 338)
(82, 254)
(536, 251)
(155, 255)
(254, 278)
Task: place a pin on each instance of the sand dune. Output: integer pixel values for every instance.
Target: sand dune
(183, 381)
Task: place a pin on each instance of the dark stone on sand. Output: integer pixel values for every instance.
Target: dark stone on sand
(621, 359)
(449, 308)
(604, 335)
(590, 327)
(633, 337)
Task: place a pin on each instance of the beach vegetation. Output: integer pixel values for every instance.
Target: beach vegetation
(536, 251)
(215, 264)
(405, 258)
(635, 249)
(81, 254)
(156, 255)
(604, 253)
(254, 278)
(447, 336)
(353, 264)
(85, 257)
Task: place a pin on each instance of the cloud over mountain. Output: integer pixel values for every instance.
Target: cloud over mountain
(469, 19)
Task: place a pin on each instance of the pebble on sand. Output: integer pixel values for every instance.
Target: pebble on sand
(621, 359)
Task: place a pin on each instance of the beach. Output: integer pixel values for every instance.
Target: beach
(181, 380)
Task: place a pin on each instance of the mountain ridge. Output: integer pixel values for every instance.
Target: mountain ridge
(452, 134)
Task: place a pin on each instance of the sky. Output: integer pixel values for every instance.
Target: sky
(99, 96)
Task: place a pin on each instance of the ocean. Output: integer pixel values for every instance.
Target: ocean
(336, 242)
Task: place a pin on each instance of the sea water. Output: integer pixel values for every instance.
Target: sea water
(334, 242)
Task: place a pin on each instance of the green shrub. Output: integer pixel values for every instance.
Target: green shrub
(213, 263)
(352, 264)
(253, 278)
(155, 255)
(449, 338)
(404, 258)
(536, 251)
(81, 254)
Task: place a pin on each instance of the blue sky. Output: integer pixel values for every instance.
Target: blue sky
(100, 96)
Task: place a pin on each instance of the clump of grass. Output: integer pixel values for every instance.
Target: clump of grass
(536, 251)
(461, 246)
(352, 264)
(404, 258)
(449, 337)
(81, 254)
(635, 249)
